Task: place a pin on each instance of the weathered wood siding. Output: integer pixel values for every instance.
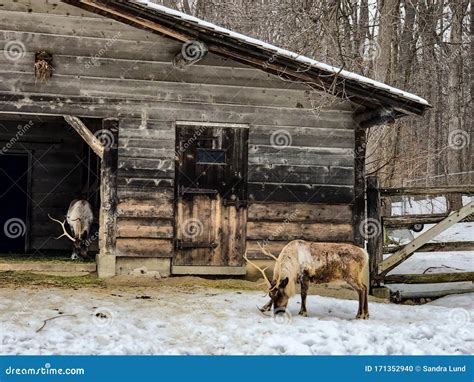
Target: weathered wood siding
(145, 188)
(107, 69)
(56, 174)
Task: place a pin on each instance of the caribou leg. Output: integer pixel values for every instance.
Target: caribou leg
(363, 311)
(304, 294)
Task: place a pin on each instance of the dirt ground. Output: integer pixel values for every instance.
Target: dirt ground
(15, 280)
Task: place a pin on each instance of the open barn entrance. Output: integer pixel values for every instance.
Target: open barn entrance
(44, 165)
(211, 199)
(14, 201)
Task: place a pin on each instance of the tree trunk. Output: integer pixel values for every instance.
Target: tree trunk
(388, 20)
(457, 137)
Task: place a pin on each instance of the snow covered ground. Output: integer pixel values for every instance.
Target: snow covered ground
(210, 321)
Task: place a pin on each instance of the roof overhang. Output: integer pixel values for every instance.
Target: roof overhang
(176, 25)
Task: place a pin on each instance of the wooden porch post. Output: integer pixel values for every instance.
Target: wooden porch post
(374, 220)
(108, 197)
(358, 207)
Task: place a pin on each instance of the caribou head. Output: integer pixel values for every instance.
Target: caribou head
(276, 288)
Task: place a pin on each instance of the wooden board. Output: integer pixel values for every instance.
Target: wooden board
(299, 212)
(300, 193)
(144, 247)
(301, 174)
(306, 231)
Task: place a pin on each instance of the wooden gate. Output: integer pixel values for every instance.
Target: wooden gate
(211, 198)
(380, 266)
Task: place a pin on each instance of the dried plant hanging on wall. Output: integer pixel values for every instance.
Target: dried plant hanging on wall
(43, 66)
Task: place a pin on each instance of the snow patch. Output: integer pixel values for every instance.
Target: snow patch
(209, 321)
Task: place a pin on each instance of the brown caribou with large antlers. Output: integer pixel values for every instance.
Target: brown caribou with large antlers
(304, 262)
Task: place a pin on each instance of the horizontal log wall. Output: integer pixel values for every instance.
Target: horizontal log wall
(106, 69)
(145, 188)
(301, 164)
(276, 224)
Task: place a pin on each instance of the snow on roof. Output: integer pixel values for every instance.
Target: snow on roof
(283, 52)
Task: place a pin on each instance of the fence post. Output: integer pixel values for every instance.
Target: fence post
(374, 228)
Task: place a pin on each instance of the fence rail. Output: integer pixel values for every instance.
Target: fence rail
(380, 267)
(413, 191)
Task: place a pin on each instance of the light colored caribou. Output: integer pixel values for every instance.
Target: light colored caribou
(79, 218)
(304, 262)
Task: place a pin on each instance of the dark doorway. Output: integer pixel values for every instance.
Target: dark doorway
(211, 199)
(14, 171)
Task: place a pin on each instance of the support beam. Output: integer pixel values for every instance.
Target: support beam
(431, 278)
(109, 200)
(191, 53)
(409, 220)
(86, 134)
(400, 296)
(425, 191)
(374, 225)
(398, 257)
(452, 246)
(358, 206)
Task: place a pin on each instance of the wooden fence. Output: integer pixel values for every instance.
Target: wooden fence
(380, 218)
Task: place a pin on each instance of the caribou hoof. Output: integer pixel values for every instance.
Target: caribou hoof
(363, 316)
(303, 313)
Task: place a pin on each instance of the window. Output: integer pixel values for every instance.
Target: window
(211, 156)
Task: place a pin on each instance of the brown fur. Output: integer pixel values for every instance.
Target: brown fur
(304, 262)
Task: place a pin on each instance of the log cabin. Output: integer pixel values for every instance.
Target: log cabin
(192, 142)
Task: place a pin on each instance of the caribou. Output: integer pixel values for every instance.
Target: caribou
(79, 218)
(304, 262)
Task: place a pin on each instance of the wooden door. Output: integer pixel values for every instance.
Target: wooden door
(211, 199)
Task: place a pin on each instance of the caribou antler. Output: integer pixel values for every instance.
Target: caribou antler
(65, 233)
(276, 269)
(262, 271)
(267, 253)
